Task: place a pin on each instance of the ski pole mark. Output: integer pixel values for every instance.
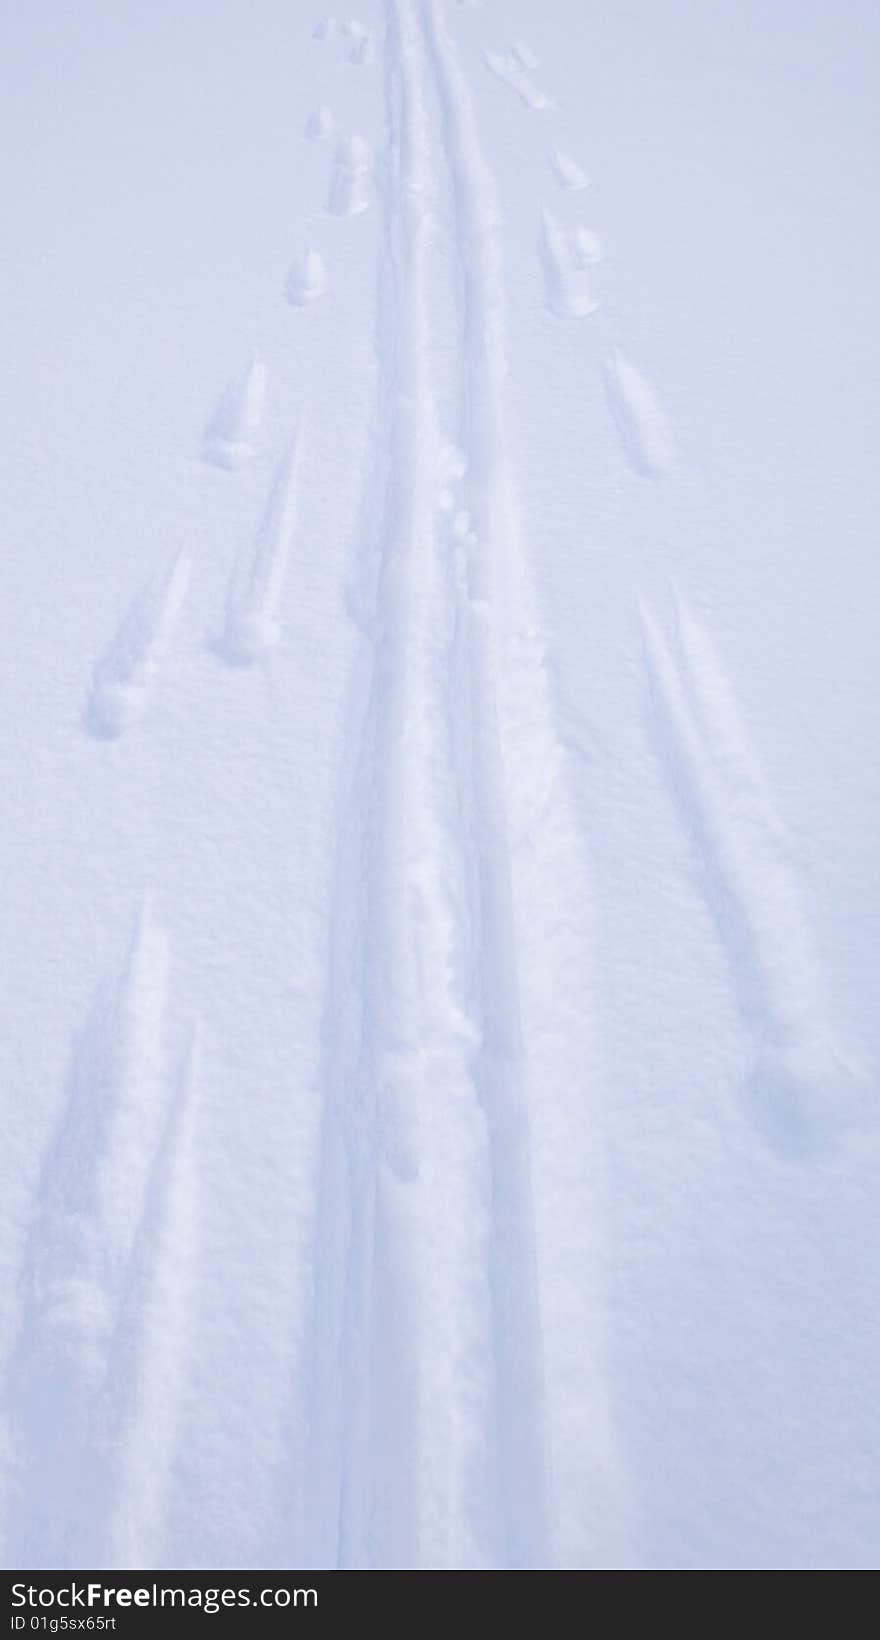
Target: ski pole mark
(124, 677)
(640, 420)
(252, 628)
(91, 1201)
(235, 424)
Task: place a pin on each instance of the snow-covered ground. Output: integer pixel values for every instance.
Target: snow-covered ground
(440, 784)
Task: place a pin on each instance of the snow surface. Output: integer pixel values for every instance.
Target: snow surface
(440, 785)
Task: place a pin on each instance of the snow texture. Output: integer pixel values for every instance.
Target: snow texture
(440, 787)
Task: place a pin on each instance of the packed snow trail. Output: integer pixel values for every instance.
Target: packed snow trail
(367, 1460)
(567, 1500)
(430, 1437)
(521, 1455)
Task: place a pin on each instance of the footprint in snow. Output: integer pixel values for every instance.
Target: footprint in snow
(515, 68)
(319, 125)
(350, 182)
(569, 255)
(362, 51)
(307, 279)
(356, 37)
(568, 172)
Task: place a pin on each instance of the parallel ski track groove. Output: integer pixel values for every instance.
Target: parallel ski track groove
(376, 1482)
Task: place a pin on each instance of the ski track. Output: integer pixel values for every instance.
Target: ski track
(519, 1456)
(569, 255)
(513, 67)
(802, 1083)
(433, 1439)
(252, 628)
(569, 173)
(380, 1478)
(644, 431)
(562, 1479)
(235, 425)
(67, 1386)
(124, 678)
